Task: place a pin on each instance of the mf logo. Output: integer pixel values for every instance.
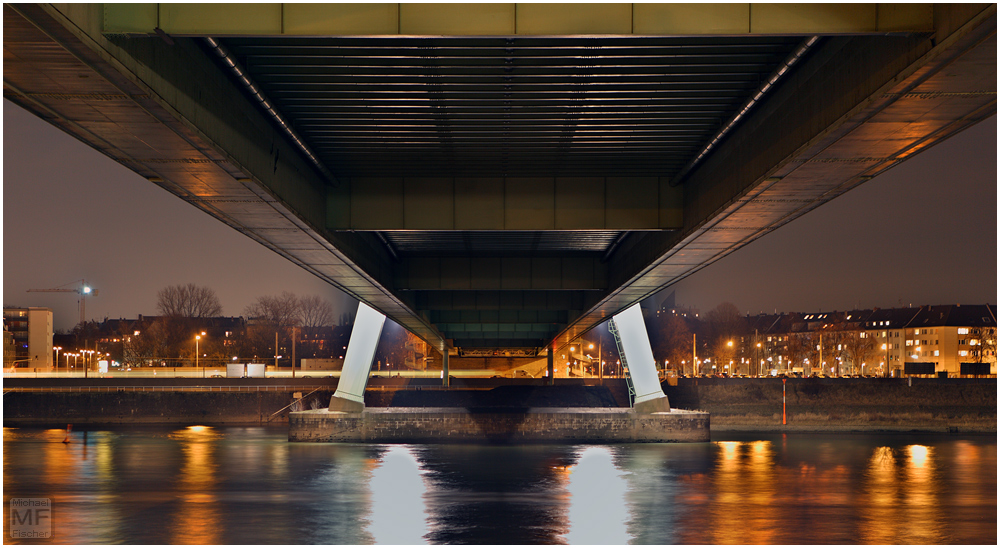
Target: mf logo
(30, 518)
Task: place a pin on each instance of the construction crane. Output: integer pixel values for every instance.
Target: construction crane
(84, 290)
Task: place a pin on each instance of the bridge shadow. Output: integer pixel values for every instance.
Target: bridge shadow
(500, 412)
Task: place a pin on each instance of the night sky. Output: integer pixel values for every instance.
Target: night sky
(924, 232)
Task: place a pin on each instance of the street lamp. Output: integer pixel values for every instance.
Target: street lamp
(197, 339)
(86, 365)
(57, 349)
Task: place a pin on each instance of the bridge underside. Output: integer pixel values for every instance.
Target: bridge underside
(506, 178)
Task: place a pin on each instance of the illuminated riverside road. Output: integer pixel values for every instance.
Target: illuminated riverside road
(249, 485)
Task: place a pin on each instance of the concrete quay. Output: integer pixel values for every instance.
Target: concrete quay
(591, 425)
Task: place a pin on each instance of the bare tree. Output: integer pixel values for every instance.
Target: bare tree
(275, 311)
(188, 301)
(859, 347)
(987, 339)
(266, 316)
(315, 312)
(799, 348)
(674, 343)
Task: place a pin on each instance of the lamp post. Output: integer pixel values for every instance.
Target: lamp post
(591, 347)
(57, 349)
(197, 354)
(885, 347)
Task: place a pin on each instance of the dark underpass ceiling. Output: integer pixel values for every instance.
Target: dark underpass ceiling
(431, 107)
(508, 107)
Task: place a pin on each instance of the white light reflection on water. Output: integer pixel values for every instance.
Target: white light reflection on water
(398, 513)
(597, 511)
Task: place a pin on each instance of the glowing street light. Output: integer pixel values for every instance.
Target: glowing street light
(197, 339)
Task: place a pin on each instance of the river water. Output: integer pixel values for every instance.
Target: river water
(247, 485)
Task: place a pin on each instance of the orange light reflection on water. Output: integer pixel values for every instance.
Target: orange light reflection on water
(196, 522)
(921, 497)
(879, 499)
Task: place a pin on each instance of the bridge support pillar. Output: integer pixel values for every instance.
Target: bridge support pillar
(550, 367)
(350, 394)
(445, 376)
(649, 396)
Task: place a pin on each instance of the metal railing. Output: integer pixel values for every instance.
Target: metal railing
(237, 388)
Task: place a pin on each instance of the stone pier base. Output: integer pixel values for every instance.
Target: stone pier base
(536, 425)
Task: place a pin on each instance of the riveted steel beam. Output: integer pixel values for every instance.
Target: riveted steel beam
(501, 273)
(515, 19)
(537, 203)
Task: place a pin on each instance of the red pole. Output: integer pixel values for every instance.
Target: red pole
(783, 416)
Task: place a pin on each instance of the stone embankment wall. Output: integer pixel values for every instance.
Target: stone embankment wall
(965, 405)
(131, 407)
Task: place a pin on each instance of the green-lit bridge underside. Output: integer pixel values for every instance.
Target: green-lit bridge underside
(530, 19)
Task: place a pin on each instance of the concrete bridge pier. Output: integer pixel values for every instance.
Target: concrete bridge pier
(350, 394)
(638, 355)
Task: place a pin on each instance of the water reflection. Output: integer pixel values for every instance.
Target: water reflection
(597, 512)
(921, 505)
(879, 496)
(397, 490)
(496, 494)
(196, 521)
(250, 486)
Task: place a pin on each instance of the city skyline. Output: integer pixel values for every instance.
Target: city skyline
(921, 233)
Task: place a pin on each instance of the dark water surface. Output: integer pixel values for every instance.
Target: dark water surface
(249, 485)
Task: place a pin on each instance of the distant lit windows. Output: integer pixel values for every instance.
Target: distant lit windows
(909, 342)
(937, 352)
(963, 352)
(963, 330)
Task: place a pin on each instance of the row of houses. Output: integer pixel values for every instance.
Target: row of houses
(29, 340)
(952, 340)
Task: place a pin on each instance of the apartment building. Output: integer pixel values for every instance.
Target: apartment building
(31, 334)
(952, 340)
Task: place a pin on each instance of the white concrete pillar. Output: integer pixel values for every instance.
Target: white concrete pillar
(649, 396)
(350, 395)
